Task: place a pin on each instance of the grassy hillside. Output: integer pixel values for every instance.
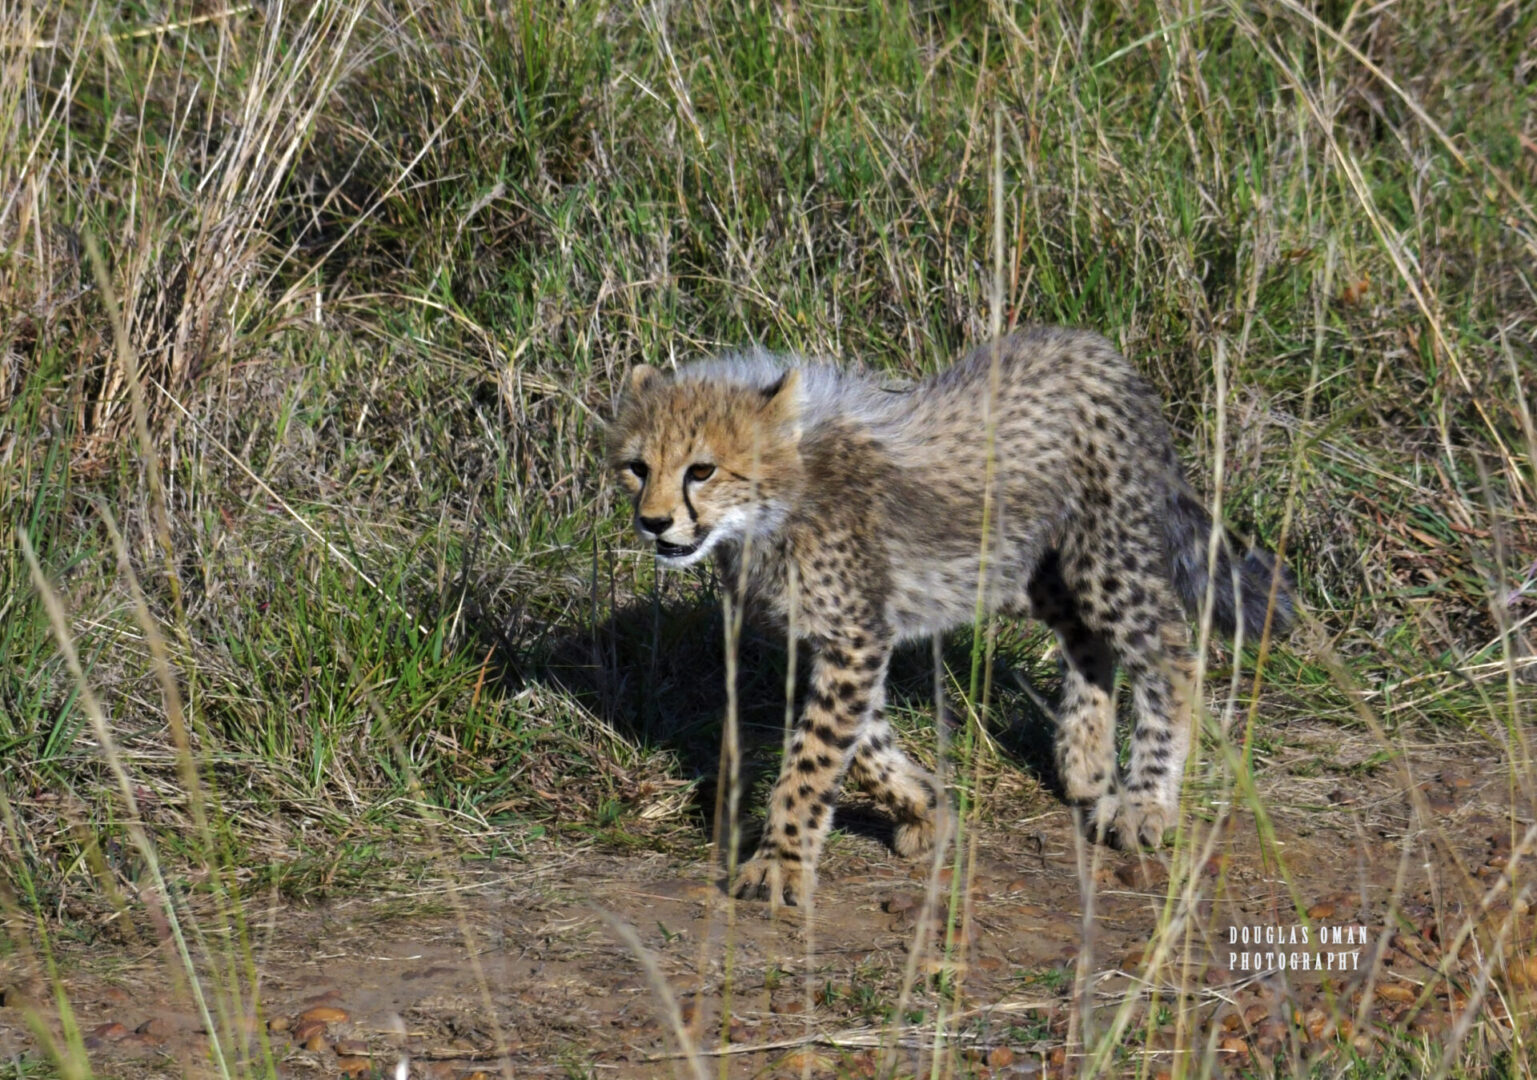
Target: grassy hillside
(311, 315)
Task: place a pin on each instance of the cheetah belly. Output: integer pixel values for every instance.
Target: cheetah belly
(932, 599)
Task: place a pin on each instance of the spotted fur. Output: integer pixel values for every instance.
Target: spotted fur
(867, 506)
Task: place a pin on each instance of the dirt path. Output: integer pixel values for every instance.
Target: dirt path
(522, 965)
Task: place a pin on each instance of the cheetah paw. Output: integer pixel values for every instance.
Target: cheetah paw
(767, 877)
(1128, 824)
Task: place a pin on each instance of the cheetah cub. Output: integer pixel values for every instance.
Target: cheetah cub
(866, 507)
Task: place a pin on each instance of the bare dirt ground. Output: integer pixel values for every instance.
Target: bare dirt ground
(517, 969)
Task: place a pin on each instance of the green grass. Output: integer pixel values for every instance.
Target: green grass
(394, 592)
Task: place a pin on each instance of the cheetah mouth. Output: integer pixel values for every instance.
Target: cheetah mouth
(667, 550)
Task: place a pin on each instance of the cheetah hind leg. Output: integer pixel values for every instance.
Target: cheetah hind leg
(1141, 808)
(882, 770)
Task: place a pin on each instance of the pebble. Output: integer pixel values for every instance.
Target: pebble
(1395, 992)
(1142, 874)
(862, 1064)
(1000, 1057)
(109, 1032)
(684, 889)
(805, 1060)
(316, 1042)
(1324, 910)
(1254, 1014)
(428, 972)
(325, 1014)
(1525, 971)
(1427, 1023)
(939, 965)
(1232, 1044)
(901, 903)
(303, 1032)
(278, 1024)
(351, 1048)
(354, 1066)
(155, 1025)
(788, 1006)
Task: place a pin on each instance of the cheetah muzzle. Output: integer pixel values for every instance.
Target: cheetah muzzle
(668, 551)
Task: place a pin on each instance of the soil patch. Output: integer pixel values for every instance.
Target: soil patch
(1052, 944)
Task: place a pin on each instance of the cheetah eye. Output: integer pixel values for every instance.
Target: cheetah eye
(638, 468)
(701, 472)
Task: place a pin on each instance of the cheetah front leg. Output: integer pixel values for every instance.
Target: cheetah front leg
(845, 682)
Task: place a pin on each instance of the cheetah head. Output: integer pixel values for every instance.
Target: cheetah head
(707, 459)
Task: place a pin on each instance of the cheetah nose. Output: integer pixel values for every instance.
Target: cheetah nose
(655, 526)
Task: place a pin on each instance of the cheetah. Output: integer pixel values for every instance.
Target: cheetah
(1036, 477)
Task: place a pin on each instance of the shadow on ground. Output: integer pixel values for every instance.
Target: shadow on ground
(654, 668)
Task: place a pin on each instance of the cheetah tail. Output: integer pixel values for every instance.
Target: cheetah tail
(1238, 587)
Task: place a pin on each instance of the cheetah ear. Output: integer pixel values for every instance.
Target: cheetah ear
(782, 398)
(641, 376)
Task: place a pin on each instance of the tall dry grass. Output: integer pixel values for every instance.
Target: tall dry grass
(298, 512)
